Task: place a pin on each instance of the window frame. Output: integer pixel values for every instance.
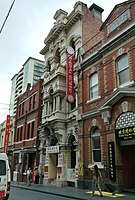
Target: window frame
(120, 71)
(93, 85)
(96, 133)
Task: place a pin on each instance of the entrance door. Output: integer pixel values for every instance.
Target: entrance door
(128, 157)
(53, 162)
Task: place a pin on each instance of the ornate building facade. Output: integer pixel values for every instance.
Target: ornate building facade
(59, 153)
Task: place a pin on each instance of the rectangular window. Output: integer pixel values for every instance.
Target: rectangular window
(34, 101)
(28, 131)
(2, 167)
(32, 129)
(22, 108)
(96, 148)
(30, 103)
(94, 86)
(123, 74)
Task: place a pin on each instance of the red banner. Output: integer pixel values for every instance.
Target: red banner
(70, 75)
(7, 134)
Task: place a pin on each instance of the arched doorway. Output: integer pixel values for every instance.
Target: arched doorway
(125, 139)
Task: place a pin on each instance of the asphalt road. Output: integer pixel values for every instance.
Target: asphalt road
(25, 194)
(22, 194)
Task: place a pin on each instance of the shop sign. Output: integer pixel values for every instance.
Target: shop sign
(111, 161)
(80, 169)
(71, 175)
(125, 133)
(7, 134)
(60, 160)
(52, 149)
(70, 75)
(45, 175)
(46, 160)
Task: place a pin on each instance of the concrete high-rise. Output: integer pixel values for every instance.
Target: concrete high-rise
(31, 71)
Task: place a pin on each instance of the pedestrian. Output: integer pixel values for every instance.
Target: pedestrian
(36, 173)
(29, 176)
(97, 177)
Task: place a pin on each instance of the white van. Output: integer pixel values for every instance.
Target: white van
(5, 178)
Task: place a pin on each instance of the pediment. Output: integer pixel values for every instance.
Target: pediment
(120, 14)
(116, 96)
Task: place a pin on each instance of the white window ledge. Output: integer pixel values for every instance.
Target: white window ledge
(93, 99)
(126, 84)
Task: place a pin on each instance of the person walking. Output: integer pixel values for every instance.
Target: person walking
(36, 173)
(97, 177)
(29, 176)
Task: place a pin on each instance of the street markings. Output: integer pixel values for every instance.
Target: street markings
(108, 194)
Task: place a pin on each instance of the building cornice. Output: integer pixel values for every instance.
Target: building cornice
(128, 32)
(58, 28)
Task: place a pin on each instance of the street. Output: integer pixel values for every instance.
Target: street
(21, 194)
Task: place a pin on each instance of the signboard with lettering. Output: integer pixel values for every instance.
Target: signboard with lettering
(7, 134)
(70, 75)
(125, 134)
(52, 149)
(60, 159)
(111, 161)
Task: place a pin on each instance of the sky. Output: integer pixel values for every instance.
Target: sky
(26, 27)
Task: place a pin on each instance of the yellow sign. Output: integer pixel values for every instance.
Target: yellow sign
(80, 169)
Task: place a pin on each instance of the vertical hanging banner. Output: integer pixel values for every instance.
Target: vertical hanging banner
(7, 134)
(70, 74)
(111, 161)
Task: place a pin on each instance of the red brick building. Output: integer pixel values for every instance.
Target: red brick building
(28, 118)
(107, 101)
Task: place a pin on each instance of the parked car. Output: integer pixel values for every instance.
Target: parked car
(5, 177)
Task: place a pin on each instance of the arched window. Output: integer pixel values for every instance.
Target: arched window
(122, 68)
(57, 56)
(96, 147)
(94, 86)
(72, 44)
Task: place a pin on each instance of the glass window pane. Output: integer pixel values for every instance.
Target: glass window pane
(96, 142)
(97, 156)
(122, 63)
(2, 167)
(94, 92)
(94, 80)
(124, 77)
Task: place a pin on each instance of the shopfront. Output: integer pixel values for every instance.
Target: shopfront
(125, 139)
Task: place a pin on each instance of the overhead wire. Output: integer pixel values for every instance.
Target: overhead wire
(7, 16)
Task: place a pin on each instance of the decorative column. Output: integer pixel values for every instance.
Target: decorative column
(58, 103)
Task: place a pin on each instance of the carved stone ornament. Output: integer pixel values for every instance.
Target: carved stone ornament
(125, 106)
(106, 116)
(94, 122)
(42, 140)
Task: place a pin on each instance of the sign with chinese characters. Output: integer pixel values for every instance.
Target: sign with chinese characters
(60, 159)
(125, 134)
(111, 161)
(80, 169)
(70, 75)
(46, 159)
(52, 149)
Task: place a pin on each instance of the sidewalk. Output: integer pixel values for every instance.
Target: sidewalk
(69, 192)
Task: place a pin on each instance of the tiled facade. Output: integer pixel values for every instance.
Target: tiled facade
(59, 128)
